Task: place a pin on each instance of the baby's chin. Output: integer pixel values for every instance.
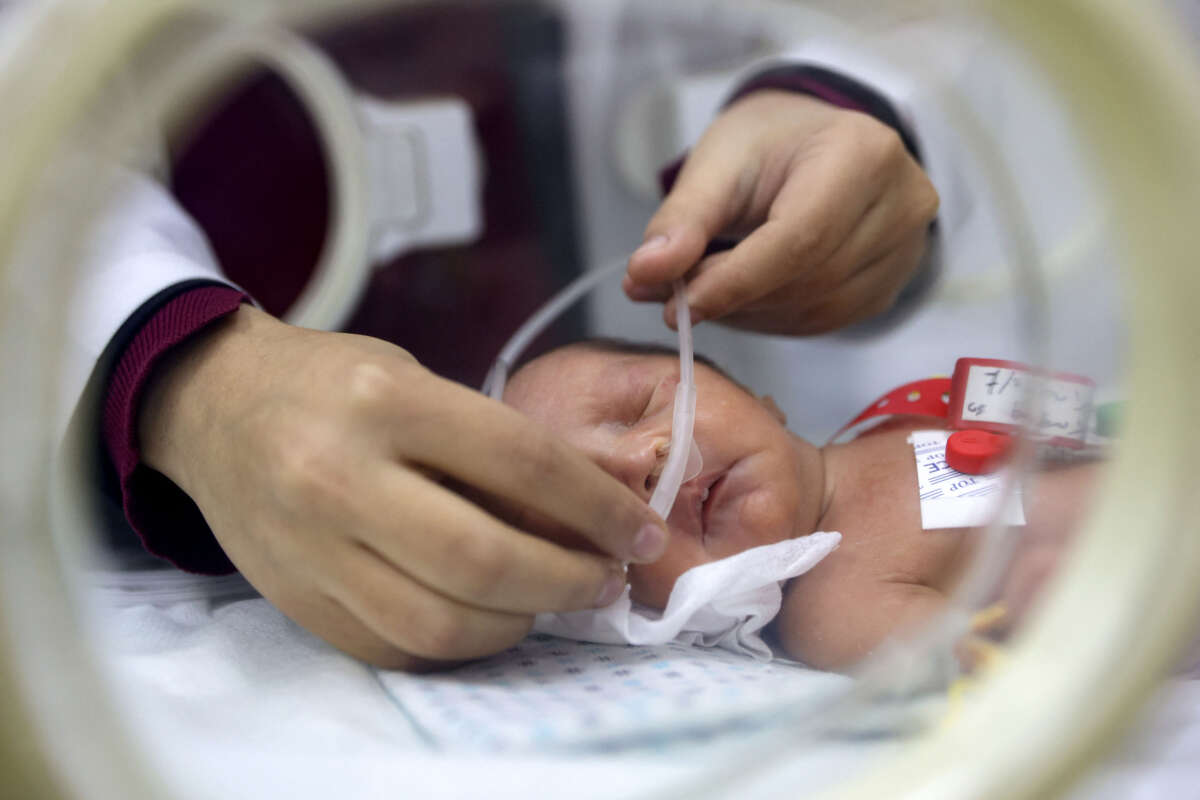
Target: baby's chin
(651, 584)
(764, 515)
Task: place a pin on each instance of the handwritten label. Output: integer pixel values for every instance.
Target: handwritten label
(1047, 406)
(953, 499)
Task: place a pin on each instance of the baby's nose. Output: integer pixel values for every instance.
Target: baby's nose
(635, 462)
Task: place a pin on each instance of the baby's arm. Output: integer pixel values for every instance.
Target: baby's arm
(833, 624)
(1055, 507)
(835, 615)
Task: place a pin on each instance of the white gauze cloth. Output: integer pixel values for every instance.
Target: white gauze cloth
(722, 603)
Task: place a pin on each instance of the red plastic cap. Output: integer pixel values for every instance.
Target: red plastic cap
(977, 452)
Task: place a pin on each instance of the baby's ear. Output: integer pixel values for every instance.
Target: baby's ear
(768, 402)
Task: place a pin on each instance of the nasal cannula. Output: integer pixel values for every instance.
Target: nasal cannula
(682, 464)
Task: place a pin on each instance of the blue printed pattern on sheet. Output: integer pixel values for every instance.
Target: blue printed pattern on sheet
(549, 693)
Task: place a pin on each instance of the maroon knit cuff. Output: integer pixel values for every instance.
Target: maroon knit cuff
(169, 523)
(830, 87)
(801, 80)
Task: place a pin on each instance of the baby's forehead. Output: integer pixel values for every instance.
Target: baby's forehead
(616, 365)
(583, 379)
(597, 361)
(586, 368)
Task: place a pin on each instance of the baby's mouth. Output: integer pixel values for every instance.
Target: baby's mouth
(708, 501)
(697, 500)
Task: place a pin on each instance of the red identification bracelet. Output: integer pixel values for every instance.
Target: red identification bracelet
(988, 402)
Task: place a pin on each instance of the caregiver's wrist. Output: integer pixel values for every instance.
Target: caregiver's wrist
(835, 89)
(191, 391)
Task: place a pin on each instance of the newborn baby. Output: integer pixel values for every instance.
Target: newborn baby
(761, 484)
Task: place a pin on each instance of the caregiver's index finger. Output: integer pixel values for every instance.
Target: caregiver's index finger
(494, 448)
(553, 478)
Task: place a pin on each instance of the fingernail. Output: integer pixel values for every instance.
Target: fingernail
(650, 542)
(652, 244)
(611, 590)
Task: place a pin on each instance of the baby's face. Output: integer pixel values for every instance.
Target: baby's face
(759, 484)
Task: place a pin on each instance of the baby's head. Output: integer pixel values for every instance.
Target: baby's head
(759, 485)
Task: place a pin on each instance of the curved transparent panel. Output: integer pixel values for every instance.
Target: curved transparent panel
(429, 174)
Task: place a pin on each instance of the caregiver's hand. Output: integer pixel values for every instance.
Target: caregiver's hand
(318, 459)
(833, 209)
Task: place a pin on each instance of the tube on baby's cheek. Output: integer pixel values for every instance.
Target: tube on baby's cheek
(684, 417)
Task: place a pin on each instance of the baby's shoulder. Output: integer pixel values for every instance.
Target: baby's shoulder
(876, 470)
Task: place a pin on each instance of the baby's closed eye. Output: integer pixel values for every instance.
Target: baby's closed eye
(629, 404)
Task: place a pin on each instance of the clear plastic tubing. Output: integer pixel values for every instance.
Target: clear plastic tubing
(683, 452)
(683, 462)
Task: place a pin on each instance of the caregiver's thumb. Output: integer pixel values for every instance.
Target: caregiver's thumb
(700, 205)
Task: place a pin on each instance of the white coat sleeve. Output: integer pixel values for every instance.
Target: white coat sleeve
(143, 244)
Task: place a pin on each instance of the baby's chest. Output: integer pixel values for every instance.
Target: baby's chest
(878, 513)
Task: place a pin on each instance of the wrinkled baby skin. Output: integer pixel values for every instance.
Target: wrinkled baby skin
(762, 484)
(759, 484)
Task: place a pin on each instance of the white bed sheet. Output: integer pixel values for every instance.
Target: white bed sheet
(232, 700)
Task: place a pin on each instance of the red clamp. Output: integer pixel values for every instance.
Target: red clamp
(978, 452)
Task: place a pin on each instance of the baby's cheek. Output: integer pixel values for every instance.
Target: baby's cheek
(765, 517)
(651, 584)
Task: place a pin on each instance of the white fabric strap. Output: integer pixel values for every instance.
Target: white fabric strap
(424, 174)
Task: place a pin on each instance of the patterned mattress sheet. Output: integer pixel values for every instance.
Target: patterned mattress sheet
(228, 698)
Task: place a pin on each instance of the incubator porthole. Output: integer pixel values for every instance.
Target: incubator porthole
(856, 598)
